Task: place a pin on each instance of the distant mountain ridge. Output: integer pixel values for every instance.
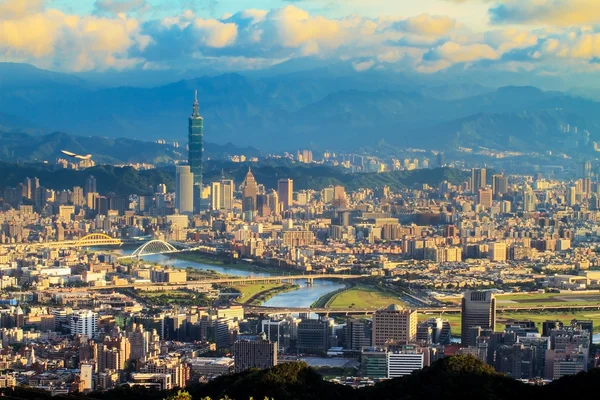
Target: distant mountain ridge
(25, 147)
(300, 109)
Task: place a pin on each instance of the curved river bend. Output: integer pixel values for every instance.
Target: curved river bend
(302, 297)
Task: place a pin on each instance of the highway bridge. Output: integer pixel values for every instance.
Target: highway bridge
(228, 281)
(438, 310)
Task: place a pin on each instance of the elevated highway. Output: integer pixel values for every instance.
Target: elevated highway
(424, 310)
(203, 283)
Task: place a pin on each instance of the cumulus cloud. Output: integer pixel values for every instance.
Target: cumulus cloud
(117, 35)
(363, 65)
(10, 9)
(551, 12)
(427, 25)
(70, 41)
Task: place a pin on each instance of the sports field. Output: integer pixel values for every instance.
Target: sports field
(539, 299)
(363, 297)
(547, 299)
(502, 318)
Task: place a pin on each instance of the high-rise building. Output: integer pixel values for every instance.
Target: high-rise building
(440, 159)
(405, 361)
(529, 200)
(254, 354)
(313, 336)
(584, 169)
(478, 311)
(90, 185)
(499, 185)
(485, 198)
(273, 202)
(249, 192)
(184, 189)
(339, 197)
(478, 179)
(285, 190)
(195, 132)
(78, 198)
(84, 322)
(358, 333)
(394, 325)
(215, 196)
(226, 197)
(86, 377)
(571, 196)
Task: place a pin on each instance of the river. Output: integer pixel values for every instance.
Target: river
(302, 297)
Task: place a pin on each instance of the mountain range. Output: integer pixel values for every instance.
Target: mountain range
(316, 109)
(20, 146)
(127, 180)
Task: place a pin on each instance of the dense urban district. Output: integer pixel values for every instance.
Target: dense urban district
(103, 290)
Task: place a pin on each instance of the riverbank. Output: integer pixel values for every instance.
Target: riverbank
(239, 264)
(259, 293)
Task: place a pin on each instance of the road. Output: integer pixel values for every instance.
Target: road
(203, 283)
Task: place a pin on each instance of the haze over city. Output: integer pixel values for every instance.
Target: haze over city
(299, 199)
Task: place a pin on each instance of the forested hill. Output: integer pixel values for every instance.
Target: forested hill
(457, 377)
(127, 180)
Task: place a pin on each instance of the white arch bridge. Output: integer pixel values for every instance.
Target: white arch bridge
(154, 247)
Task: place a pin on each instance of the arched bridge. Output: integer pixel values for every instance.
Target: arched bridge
(91, 240)
(153, 247)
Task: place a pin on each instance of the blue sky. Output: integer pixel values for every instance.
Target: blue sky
(542, 38)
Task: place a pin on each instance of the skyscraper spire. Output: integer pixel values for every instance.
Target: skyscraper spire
(196, 112)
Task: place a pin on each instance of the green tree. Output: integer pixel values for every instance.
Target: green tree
(180, 395)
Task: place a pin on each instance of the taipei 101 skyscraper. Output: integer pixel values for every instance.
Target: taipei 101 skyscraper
(196, 126)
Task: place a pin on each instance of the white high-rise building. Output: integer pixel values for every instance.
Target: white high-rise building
(184, 189)
(84, 322)
(404, 362)
(215, 196)
(226, 198)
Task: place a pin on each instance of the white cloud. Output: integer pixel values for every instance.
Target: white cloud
(117, 36)
(363, 65)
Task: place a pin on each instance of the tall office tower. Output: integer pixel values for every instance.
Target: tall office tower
(28, 188)
(249, 192)
(34, 185)
(285, 190)
(195, 130)
(586, 185)
(478, 312)
(90, 185)
(394, 325)
(78, 199)
(305, 156)
(227, 189)
(327, 194)
(584, 169)
(478, 179)
(440, 159)
(358, 333)
(215, 196)
(572, 196)
(273, 202)
(184, 189)
(84, 322)
(339, 197)
(485, 198)
(161, 188)
(529, 200)
(499, 185)
(254, 354)
(313, 336)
